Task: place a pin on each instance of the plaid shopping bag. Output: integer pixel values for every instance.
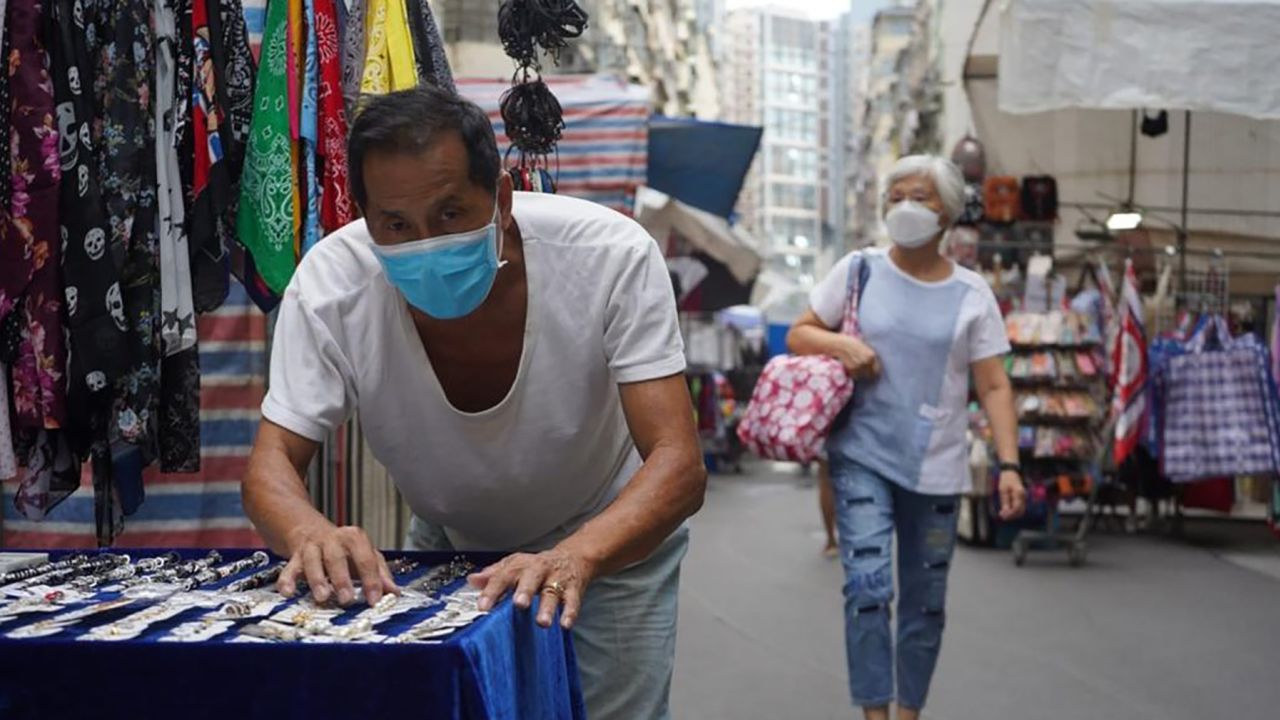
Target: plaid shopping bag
(1221, 413)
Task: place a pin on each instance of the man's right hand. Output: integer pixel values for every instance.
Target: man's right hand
(857, 357)
(327, 558)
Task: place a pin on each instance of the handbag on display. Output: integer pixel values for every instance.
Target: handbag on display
(1039, 198)
(1001, 196)
(798, 397)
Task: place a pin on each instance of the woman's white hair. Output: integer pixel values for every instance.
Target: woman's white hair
(945, 175)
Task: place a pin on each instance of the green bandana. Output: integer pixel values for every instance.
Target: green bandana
(265, 221)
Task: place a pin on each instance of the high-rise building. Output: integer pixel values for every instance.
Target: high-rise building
(903, 104)
(857, 35)
(779, 74)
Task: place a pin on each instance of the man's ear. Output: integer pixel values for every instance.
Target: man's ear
(506, 197)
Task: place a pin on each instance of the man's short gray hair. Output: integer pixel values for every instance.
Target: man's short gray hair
(945, 175)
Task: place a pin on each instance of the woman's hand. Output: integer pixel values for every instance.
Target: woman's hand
(556, 576)
(1013, 496)
(857, 357)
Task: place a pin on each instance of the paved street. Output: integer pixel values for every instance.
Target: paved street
(1152, 628)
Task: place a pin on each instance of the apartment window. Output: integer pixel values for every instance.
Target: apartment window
(799, 197)
(786, 124)
(793, 233)
(791, 88)
(794, 162)
(793, 43)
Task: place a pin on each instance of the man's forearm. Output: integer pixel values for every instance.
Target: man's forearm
(276, 500)
(667, 489)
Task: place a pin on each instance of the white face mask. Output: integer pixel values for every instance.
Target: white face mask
(912, 225)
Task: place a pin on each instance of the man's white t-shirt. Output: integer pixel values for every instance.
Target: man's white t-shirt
(551, 455)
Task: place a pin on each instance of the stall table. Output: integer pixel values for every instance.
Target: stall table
(500, 666)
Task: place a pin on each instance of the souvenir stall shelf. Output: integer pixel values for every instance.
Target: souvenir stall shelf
(1056, 367)
(143, 623)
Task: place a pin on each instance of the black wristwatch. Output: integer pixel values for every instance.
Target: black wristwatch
(1011, 467)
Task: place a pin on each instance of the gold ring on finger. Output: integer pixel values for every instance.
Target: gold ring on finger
(555, 588)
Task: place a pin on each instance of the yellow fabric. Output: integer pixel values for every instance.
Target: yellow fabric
(390, 63)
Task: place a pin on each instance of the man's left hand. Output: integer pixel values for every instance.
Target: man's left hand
(1013, 495)
(557, 576)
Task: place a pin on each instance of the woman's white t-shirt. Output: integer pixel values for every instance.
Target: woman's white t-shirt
(909, 424)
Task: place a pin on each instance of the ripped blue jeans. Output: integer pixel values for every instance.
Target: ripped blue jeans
(869, 510)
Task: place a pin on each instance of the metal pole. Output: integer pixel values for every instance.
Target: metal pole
(1186, 189)
(1133, 160)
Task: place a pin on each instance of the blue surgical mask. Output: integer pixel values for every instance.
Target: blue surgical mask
(446, 277)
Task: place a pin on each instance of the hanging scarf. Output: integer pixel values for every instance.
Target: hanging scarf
(39, 385)
(240, 86)
(428, 50)
(129, 191)
(30, 249)
(8, 460)
(308, 130)
(389, 65)
(265, 221)
(101, 350)
(211, 183)
(177, 313)
(353, 54)
(335, 199)
(123, 85)
(233, 61)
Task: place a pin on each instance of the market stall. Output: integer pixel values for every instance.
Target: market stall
(203, 635)
(1112, 133)
(713, 266)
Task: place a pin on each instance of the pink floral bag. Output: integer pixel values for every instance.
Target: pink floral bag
(798, 396)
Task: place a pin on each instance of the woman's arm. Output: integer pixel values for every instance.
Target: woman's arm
(810, 336)
(996, 395)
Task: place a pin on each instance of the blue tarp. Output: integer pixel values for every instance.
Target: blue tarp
(699, 163)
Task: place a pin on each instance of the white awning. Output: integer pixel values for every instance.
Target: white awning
(661, 215)
(1216, 55)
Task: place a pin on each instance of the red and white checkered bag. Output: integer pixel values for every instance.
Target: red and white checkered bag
(798, 396)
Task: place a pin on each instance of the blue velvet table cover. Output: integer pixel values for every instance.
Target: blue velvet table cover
(501, 667)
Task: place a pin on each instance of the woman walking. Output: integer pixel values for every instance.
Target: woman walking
(898, 455)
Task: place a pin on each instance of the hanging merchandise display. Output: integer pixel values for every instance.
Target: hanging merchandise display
(30, 249)
(336, 209)
(1001, 198)
(126, 121)
(1056, 372)
(389, 61)
(1221, 415)
(971, 157)
(265, 220)
(1039, 198)
(531, 114)
(314, 68)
